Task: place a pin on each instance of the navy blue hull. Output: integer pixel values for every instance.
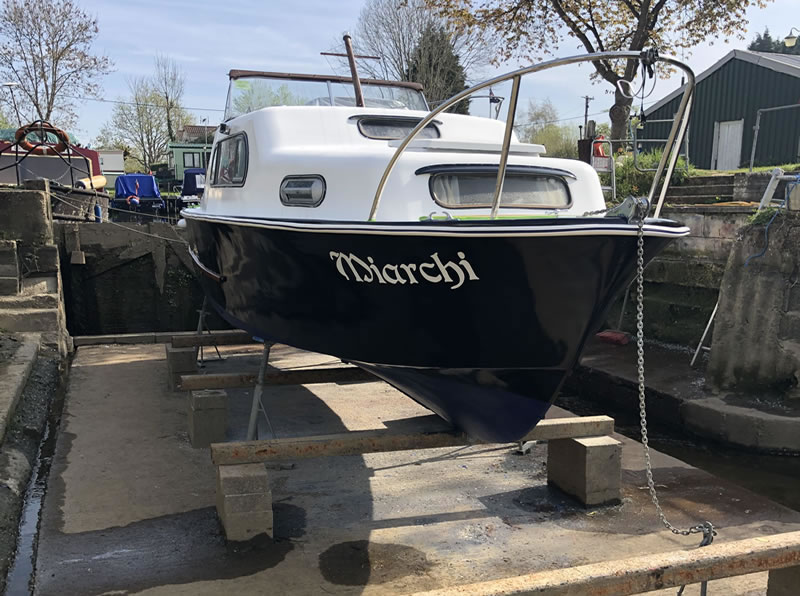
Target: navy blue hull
(481, 329)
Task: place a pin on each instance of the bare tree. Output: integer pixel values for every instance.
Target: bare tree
(392, 29)
(139, 124)
(45, 47)
(169, 81)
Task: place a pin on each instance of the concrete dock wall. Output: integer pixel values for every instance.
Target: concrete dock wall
(682, 284)
(129, 278)
(757, 329)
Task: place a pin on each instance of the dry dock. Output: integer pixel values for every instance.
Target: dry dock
(130, 505)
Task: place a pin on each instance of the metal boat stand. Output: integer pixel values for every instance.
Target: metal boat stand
(257, 405)
(201, 327)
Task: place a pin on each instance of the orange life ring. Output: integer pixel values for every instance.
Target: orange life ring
(39, 148)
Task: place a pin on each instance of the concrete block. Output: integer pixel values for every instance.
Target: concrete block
(77, 257)
(783, 582)
(208, 399)
(206, 426)
(242, 479)
(46, 258)
(248, 503)
(588, 469)
(246, 526)
(244, 501)
(9, 286)
(181, 360)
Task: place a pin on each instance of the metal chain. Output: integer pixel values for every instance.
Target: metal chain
(706, 528)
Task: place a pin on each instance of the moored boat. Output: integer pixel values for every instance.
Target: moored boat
(470, 280)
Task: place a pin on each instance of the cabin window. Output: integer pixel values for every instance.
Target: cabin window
(520, 190)
(388, 128)
(191, 160)
(230, 161)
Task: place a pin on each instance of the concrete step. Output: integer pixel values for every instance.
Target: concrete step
(29, 319)
(9, 286)
(32, 301)
(40, 284)
(706, 189)
(709, 180)
(697, 199)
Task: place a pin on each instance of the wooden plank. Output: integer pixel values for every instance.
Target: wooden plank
(301, 376)
(118, 338)
(128, 338)
(380, 440)
(217, 338)
(646, 573)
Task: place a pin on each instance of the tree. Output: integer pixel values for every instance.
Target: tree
(539, 124)
(436, 67)
(535, 119)
(392, 30)
(169, 81)
(532, 28)
(46, 48)
(252, 95)
(766, 43)
(139, 126)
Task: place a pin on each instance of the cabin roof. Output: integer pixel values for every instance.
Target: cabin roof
(238, 74)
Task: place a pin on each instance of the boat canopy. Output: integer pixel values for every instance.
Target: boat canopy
(252, 90)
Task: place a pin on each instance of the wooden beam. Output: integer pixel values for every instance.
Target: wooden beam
(217, 338)
(646, 573)
(427, 436)
(300, 376)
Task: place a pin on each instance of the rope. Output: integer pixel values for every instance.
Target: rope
(180, 240)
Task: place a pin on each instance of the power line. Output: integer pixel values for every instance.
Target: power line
(133, 103)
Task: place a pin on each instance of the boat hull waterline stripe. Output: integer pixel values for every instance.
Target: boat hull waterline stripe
(592, 226)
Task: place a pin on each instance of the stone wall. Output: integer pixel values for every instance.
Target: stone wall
(757, 328)
(751, 187)
(129, 278)
(682, 284)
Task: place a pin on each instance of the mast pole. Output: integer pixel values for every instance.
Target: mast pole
(348, 45)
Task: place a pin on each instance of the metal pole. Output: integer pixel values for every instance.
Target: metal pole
(252, 425)
(755, 139)
(499, 79)
(703, 338)
(674, 151)
(348, 46)
(501, 167)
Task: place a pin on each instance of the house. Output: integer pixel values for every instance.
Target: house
(190, 149)
(728, 97)
(112, 164)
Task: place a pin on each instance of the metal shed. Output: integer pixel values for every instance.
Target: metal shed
(729, 95)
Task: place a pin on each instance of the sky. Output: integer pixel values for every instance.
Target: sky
(207, 39)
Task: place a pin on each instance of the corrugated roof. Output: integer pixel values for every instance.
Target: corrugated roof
(783, 63)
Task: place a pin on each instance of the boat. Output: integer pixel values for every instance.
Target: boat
(137, 192)
(432, 249)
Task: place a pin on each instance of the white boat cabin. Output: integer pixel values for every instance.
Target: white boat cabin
(297, 147)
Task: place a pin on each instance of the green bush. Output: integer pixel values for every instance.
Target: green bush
(631, 181)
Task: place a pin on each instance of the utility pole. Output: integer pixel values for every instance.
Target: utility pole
(586, 111)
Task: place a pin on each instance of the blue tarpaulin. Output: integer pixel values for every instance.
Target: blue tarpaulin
(193, 181)
(125, 186)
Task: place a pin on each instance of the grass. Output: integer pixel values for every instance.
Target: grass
(787, 167)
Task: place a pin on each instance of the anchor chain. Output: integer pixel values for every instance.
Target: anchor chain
(705, 528)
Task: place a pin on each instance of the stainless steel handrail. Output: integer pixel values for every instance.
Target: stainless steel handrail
(668, 158)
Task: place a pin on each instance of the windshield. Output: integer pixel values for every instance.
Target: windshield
(248, 94)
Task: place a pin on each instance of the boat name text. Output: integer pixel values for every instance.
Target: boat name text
(352, 267)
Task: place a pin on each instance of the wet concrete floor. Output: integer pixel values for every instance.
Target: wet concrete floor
(129, 506)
